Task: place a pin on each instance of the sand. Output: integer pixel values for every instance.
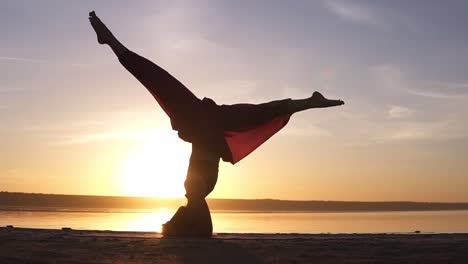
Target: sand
(21, 245)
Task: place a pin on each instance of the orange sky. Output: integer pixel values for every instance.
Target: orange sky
(73, 121)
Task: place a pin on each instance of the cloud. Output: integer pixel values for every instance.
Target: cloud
(374, 132)
(374, 16)
(139, 135)
(308, 131)
(13, 175)
(51, 127)
(353, 12)
(181, 30)
(389, 76)
(441, 90)
(392, 78)
(28, 60)
(397, 111)
(328, 74)
(444, 129)
(5, 90)
(21, 59)
(435, 120)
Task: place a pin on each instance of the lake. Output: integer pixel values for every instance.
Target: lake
(245, 222)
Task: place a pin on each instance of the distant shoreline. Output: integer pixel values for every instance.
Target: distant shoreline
(14, 201)
(145, 210)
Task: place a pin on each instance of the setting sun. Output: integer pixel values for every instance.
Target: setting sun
(157, 167)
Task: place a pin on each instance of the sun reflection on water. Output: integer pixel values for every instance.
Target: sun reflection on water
(150, 221)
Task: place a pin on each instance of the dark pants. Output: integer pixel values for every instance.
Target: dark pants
(181, 104)
(202, 175)
(201, 178)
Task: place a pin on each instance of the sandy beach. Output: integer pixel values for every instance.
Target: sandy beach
(22, 245)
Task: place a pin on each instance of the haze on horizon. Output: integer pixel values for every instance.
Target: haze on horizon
(73, 121)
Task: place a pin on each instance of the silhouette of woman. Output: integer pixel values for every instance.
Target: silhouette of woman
(228, 132)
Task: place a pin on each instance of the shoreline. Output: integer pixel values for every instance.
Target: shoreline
(247, 235)
(226, 211)
(265, 205)
(30, 245)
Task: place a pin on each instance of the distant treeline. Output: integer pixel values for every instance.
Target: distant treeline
(10, 200)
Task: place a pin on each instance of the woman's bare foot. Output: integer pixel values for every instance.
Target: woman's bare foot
(104, 35)
(319, 101)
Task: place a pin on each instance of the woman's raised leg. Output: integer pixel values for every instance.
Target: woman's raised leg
(172, 95)
(105, 36)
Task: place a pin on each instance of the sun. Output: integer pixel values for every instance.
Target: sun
(156, 167)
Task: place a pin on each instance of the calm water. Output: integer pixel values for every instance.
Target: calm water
(247, 222)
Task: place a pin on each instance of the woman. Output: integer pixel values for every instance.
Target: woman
(228, 132)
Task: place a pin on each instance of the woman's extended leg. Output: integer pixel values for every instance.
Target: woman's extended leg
(247, 126)
(242, 116)
(172, 95)
(317, 100)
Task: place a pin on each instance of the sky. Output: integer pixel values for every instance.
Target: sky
(74, 121)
